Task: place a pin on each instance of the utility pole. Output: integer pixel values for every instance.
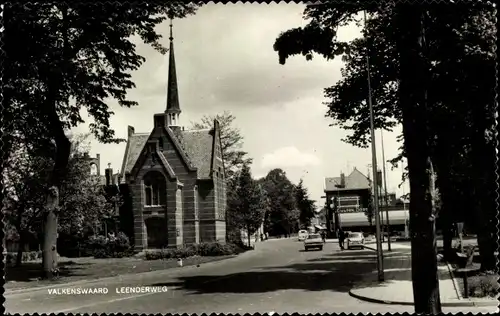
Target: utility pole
(380, 260)
(385, 189)
(379, 192)
(407, 229)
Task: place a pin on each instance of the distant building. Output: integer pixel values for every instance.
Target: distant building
(348, 201)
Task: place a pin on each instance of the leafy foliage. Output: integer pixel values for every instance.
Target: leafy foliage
(62, 57)
(80, 55)
(433, 70)
(111, 246)
(282, 214)
(460, 91)
(305, 205)
(82, 200)
(204, 249)
(247, 206)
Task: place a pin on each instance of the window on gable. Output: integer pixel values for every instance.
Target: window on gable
(155, 189)
(160, 143)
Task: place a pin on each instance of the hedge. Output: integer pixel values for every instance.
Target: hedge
(204, 249)
(27, 256)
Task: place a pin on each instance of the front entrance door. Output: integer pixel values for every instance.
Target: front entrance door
(156, 228)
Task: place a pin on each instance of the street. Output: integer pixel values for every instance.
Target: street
(278, 276)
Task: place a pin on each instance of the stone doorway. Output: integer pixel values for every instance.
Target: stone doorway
(157, 233)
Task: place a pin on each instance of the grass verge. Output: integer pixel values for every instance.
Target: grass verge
(78, 269)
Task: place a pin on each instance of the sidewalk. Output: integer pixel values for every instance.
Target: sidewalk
(397, 287)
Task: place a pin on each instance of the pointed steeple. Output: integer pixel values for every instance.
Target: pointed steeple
(172, 91)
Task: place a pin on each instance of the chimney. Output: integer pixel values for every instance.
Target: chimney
(109, 175)
(98, 164)
(342, 180)
(130, 130)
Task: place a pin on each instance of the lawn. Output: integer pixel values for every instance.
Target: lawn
(77, 269)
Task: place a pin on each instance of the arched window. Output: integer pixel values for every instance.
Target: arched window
(93, 169)
(155, 189)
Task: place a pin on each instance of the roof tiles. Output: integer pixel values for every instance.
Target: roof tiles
(197, 145)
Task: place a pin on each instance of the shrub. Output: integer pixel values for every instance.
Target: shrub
(216, 249)
(153, 255)
(204, 249)
(114, 247)
(121, 242)
(101, 254)
(27, 256)
(484, 286)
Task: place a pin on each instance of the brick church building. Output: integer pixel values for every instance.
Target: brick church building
(175, 178)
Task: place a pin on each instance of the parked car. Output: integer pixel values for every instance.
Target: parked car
(313, 241)
(303, 235)
(355, 240)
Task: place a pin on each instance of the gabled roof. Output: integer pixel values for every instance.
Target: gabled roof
(197, 145)
(356, 180)
(135, 144)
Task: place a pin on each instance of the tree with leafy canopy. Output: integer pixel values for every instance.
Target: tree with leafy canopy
(282, 214)
(305, 205)
(232, 141)
(248, 206)
(405, 77)
(461, 90)
(63, 57)
(82, 201)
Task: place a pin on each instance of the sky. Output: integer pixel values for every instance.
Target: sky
(225, 62)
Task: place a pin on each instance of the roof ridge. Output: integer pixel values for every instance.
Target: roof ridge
(197, 130)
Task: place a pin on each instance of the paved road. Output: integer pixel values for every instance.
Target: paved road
(276, 277)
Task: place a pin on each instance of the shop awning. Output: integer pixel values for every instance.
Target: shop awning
(396, 217)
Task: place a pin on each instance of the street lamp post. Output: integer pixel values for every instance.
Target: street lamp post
(407, 230)
(380, 260)
(386, 200)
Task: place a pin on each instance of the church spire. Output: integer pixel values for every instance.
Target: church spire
(173, 108)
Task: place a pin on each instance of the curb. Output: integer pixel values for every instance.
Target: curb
(462, 303)
(443, 304)
(91, 281)
(377, 301)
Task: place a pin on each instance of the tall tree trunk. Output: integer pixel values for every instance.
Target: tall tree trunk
(49, 249)
(49, 112)
(413, 98)
(447, 228)
(19, 256)
(447, 192)
(248, 236)
(484, 184)
(63, 146)
(20, 249)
